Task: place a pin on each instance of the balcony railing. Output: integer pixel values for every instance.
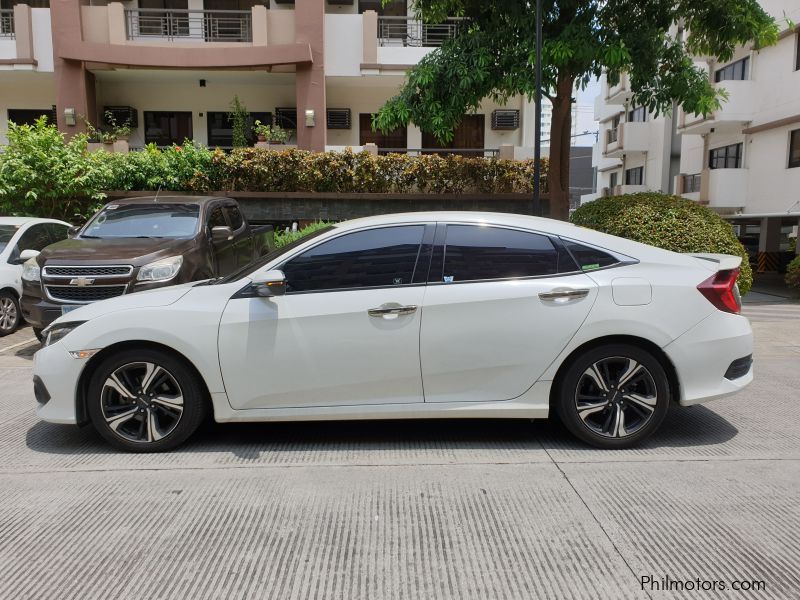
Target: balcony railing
(203, 25)
(7, 23)
(404, 31)
(692, 183)
(612, 135)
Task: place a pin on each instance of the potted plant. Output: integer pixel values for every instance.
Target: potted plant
(118, 132)
(274, 134)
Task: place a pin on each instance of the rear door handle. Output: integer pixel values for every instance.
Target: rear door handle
(563, 295)
(391, 310)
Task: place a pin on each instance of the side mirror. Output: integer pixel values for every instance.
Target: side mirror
(269, 283)
(73, 231)
(26, 255)
(221, 234)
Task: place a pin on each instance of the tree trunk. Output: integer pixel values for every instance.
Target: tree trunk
(560, 143)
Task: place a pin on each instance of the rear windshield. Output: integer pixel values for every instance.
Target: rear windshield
(6, 233)
(145, 221)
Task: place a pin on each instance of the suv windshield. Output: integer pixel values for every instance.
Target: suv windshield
(267, 258)
(6, 233)
(144, 220)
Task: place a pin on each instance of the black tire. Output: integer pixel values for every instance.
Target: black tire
(589, 398)
(133, 416)
(10, 313)
(37, 331)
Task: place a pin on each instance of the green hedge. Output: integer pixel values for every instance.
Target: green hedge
(669, 222)
(42, 174)
(793, 274)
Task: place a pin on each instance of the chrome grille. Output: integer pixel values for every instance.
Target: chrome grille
(89, 271)
(92, 293)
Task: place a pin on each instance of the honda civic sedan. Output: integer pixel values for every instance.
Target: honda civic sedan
(424, 315)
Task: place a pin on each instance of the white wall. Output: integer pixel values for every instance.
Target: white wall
(42, 38)
(343, 44)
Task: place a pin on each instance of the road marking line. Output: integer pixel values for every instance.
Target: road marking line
(33, 339)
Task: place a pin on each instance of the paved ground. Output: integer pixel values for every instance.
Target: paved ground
(416, 510)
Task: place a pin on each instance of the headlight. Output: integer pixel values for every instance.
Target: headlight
(161, 270)
(31, 271)
(58, 331)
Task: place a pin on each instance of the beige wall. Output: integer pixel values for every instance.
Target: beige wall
(24, 90)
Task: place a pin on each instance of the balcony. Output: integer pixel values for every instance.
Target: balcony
(626, 138)
(604, 111)
(619, 93)
(407, 32)
(735, 112)
(726, 188)
(189, 25)
(7, 24)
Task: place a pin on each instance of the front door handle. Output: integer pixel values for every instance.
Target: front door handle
(391, 310)
(563, 295)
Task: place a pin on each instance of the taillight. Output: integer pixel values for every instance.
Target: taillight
(720, 289)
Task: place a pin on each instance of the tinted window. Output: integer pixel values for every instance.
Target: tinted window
(377, 257)
(726, 157)
(6, 233)
(35, 237)
(216, 218)
(475, 252)
(235, 217)
(57, 232)
(589, 258)
(144, 220)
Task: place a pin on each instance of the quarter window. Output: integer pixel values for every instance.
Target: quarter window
(589, 258)
(794, 149)
(381, 257)
(474, 253)
(734, 71)
(726, 157)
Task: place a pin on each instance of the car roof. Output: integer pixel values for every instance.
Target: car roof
(19, 221)
(166, 199)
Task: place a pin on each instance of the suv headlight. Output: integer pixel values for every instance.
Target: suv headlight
(58, 331)
(161, 270)
(31, 271)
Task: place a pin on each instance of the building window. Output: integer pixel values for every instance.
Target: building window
(691, 183)
(220, 128)
(738, 71)
(164, 128)
(637, 115)
(612, 179)
(28, 116)
(726, 157)
(395, 139)
(794, 149)
(634, 176)
(797, 54)
(395, 8)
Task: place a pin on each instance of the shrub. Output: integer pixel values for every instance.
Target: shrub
(282, 238)
(668, 222)
(793, 273)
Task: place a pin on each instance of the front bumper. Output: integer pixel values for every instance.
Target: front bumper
(703, 356)
(57, 373)
(39, 312)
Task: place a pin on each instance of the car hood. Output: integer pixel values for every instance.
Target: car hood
(147, 299)
(134, 251)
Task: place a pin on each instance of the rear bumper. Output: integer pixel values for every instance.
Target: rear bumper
(703, 356)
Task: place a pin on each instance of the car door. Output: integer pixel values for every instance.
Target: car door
(242, 242)
(224, 251)
(345, 333)
(500, 306)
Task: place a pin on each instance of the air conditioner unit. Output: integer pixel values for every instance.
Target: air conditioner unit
(123, 115)
(505, 119)
(338, 118)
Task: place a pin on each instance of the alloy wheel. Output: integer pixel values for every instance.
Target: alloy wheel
(8, 314)
(141, 402)
(616, 397)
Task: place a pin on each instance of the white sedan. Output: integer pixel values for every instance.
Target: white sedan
(20, 239)
(424, 315)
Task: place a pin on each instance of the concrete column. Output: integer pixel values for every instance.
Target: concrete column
(310, 79)
(369, 33)
(769, 239)
(117, 33)
(75, 86)
(259, 17)
(23, 31)
(413, 136)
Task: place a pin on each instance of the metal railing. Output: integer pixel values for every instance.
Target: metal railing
(405, 31)
(692, 183)
(479, 152)
(204, 25)
(612, 135)
(7, 23)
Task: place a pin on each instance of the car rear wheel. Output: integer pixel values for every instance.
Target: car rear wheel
(10, 315)
(613, 396)
(145, 400)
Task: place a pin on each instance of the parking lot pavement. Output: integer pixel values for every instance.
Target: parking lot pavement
(411, 509)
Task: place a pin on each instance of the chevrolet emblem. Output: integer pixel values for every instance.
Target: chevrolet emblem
(81, 281)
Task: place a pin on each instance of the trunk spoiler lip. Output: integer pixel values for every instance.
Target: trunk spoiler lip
(718, 262)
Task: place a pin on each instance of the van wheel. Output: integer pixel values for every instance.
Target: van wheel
(613, 396)
(10, 315)
(145, 400)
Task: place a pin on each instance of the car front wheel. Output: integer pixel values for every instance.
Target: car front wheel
(10, 316)
(613, 396)
(145, 400)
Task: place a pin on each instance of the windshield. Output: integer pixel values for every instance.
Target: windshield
(267, 258)
(6, 233)
(144, 220)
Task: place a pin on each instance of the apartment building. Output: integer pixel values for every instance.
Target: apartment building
(743, 160)
(172, 67)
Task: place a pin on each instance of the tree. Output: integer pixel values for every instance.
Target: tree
(239, 123)
(493, 55)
